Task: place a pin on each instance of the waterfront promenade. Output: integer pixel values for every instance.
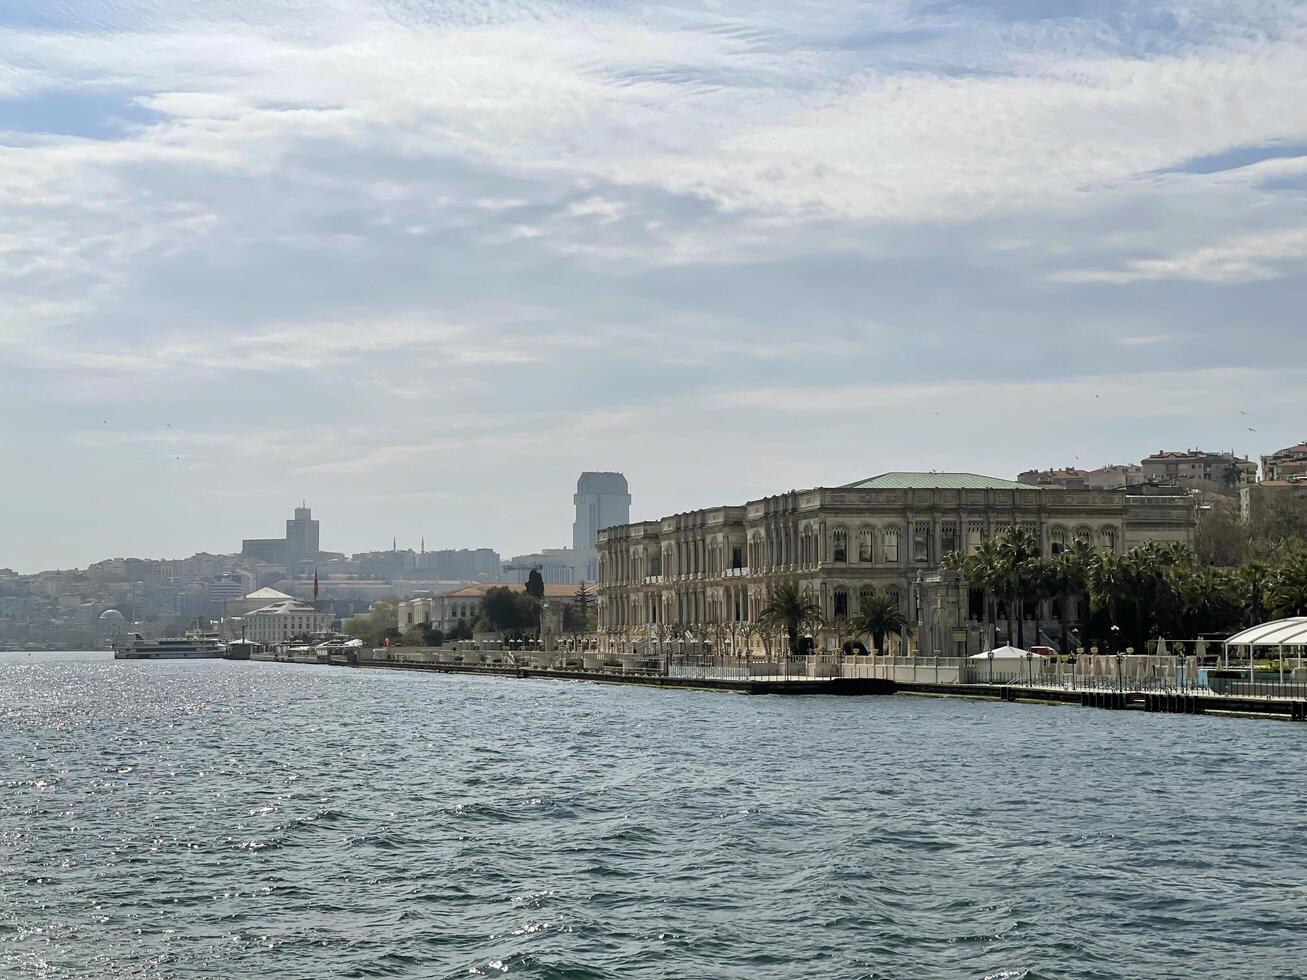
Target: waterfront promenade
(835, 675)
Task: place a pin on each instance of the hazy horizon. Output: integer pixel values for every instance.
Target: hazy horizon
(422, 263)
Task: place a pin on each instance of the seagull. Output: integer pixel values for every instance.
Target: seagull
(1251, 429)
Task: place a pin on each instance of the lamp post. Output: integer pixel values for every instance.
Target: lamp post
(991, 666)
(1116, 649)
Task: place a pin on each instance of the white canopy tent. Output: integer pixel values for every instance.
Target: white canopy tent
(1290, 632)
(1008, 653)
(1278, 634)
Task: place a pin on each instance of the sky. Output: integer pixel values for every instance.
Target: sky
(421, 262)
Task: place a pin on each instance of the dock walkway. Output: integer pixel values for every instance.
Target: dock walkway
(1192, 701)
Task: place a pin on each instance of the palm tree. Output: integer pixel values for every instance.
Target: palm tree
(985, 570)
(1287, 587)
(1107, 584)
(1070, 577)
(790, 609)
(1205, 595)
(878, 614)
(1014, 548)
(1252, 581)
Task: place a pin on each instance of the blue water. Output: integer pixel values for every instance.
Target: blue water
(214, 819)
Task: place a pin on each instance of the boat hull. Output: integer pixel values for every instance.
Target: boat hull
(167, 655)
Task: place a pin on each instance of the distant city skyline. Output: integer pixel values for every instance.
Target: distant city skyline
(426, 278)
(560, 519)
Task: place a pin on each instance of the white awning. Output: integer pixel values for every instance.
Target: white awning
(1007, 653)
(1282, 632)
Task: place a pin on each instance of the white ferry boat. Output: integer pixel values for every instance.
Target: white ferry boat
(193, 646)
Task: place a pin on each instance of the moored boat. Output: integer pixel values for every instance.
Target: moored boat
(192, 646)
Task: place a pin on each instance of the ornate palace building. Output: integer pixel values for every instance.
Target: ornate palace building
(715, 567)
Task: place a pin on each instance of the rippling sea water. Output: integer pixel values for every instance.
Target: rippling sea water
(214, 819)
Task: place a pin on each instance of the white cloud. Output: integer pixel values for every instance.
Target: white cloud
(758, 243)
(1248, 258)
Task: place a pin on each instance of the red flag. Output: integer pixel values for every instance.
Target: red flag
(315, 585)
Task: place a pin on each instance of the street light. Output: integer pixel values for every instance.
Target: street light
(1116, 649)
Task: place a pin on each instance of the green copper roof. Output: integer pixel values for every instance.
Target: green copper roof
(935, 481)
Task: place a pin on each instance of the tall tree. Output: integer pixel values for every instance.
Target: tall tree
(1070, 578)
(1017, 549)
(790, 609)
(1204, 597)
(878, 614)
(505, 611)
(1252, 582)
(1107, 585)
(535, 584)
(1287, 586)
(582, 601)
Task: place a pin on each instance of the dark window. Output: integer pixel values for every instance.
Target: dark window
(921, 542)
(949, 542)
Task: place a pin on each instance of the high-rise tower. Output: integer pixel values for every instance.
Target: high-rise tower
(601, 500)
(301, 537)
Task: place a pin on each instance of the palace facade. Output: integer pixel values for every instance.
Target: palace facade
(715, 567)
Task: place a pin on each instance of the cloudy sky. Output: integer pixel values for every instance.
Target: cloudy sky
(423, 261)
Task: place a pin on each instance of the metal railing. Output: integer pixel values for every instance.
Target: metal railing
(949, 671)
(1257, 688)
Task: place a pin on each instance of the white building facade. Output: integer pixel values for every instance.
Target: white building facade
(717, 567)
(282, 622)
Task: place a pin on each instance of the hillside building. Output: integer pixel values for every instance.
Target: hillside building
(1289, 463)
(1194, 469)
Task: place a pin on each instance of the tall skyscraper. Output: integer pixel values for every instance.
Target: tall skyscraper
(601, 500)
(301, 537)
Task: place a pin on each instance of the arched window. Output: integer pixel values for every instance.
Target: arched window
(865, 545)
(865, 594)
(841, 604)
(893, 594)
(1057, 540)
(1084, 534)
(1109, 538)
(892, 545)
(840, 545)
(949, 541)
